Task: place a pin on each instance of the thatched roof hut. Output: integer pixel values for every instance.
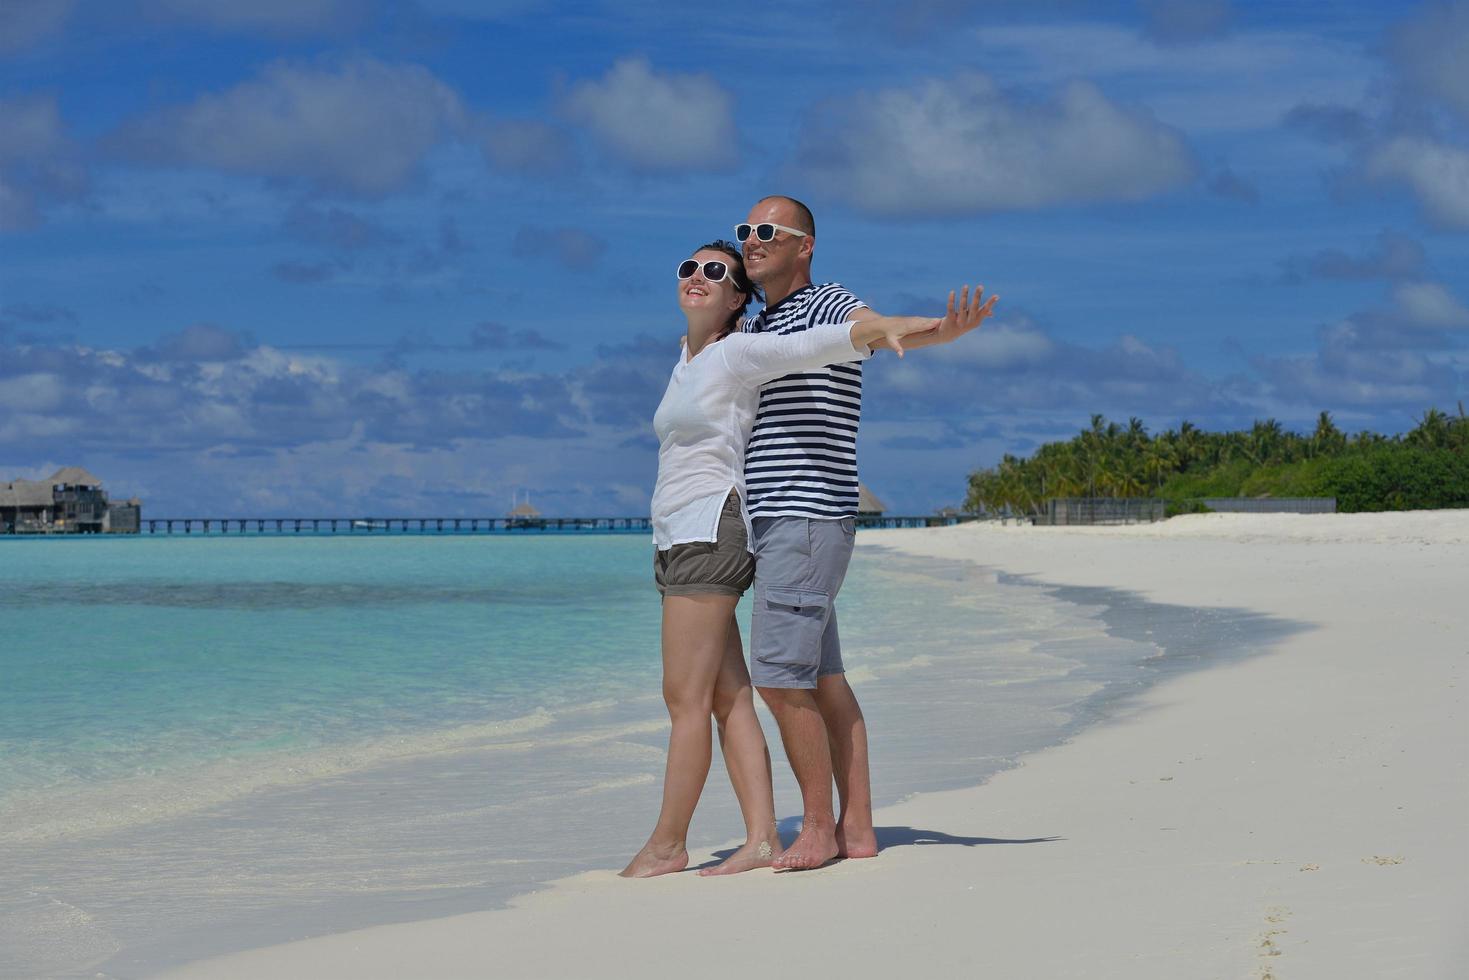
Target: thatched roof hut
(28, 494)
(523, 509)
(73, 476)
(867, 502)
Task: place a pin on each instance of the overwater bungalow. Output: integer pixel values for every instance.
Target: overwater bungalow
(524, 514)
(69, 501)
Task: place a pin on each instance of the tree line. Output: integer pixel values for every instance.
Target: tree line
(1427, 467)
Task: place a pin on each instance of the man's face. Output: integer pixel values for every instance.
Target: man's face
(780, 256)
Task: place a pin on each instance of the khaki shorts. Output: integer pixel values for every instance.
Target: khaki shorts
(723, 567)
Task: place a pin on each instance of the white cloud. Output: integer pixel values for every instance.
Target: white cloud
(656, 122)
(1438, 175)
(1006, 345)
(37, 162)
(1244, 81)
(362, 126)
(964, 145)
(39, 392)
(1409, 129)
(1430, 304)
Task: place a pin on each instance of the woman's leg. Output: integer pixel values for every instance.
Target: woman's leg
(747, 759)
(695, 631)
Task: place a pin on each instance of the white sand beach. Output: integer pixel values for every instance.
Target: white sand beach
(1294, 815)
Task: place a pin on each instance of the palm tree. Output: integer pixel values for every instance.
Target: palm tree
(1327, 440)
(1432, 431)
(1189, 443)
(1266, 441)
(1159, 462)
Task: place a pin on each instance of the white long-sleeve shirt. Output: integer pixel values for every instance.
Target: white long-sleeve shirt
(704, 422)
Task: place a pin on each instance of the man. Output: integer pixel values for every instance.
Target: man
(801, 484)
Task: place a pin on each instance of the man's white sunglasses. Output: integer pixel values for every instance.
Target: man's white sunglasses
(765, 231)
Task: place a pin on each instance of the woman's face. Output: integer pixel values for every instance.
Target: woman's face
(698, 293)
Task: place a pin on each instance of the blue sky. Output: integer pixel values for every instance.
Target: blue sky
(348, 256)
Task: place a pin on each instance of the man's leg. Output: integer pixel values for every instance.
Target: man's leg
(804, 735)
(845, 727)
(799, 566)
(847, 734)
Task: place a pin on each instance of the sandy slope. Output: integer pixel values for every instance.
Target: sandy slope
(1296, 815)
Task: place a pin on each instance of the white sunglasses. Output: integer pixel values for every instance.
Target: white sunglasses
(713, 269)
(765, 231)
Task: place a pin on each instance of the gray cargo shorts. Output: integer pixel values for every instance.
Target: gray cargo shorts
(799, 567)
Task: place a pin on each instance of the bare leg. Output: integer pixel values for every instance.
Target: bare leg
(847, 734)
(804, 735)
(747, 759)
(695, 632)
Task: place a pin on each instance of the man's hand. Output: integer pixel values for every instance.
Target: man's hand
(962, 317)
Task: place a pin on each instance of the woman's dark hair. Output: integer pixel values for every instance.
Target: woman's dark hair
(737, 275)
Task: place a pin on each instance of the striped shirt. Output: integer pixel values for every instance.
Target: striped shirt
(802, 457)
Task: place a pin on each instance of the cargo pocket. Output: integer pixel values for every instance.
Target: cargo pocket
(787, 625)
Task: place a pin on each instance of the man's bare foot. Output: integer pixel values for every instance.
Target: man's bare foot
(754, 854)
(856, 842)
(654, 860)
(816, 845)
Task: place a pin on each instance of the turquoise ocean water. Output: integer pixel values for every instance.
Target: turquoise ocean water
(212, 743)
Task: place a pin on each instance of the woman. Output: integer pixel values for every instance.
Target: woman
(702, 563)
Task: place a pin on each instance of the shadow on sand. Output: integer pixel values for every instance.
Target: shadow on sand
(893, 837)
(905, 836)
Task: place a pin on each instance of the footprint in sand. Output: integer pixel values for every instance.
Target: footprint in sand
(1268, 947)
(1379, 859)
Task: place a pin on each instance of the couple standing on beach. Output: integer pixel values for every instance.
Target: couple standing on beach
(757, 484)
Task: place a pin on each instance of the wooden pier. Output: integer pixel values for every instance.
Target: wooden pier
(391, 525)
(449, 525)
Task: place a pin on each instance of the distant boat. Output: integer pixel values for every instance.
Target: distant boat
(371, 525)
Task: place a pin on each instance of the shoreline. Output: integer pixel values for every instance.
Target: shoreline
(1292, 814)
(349, 837)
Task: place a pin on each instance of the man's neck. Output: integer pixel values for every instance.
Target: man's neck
(778, 289)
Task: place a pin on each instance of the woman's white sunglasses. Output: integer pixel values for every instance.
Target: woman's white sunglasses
(765, 231)
(714, 270)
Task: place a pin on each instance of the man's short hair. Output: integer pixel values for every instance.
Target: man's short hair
(804, 219)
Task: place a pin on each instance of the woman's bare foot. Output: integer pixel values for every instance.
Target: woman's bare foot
(856, 842)
(655, 859)
(754, 854)
(813, 847)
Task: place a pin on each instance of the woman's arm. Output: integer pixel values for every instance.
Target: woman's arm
(889, 331)
(758, 358)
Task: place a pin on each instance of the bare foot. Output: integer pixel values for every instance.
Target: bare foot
(754, 854)
(816, 845)
(856, 842)
(654, 860)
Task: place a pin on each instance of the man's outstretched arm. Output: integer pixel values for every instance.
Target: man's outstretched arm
(968, 314)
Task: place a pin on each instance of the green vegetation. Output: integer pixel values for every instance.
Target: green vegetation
(1425, 468)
